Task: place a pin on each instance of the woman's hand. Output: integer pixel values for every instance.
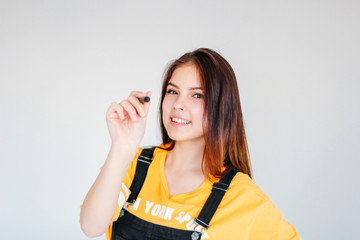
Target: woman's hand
(126, 120)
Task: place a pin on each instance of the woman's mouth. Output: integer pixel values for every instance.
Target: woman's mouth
(179, 120)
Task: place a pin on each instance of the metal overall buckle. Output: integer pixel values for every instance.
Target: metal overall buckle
(124, 208)
(122, 212)
(197, 232)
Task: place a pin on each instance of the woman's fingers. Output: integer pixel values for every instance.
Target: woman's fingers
(115, 111)
(137, 105)
(140, 108)
(131, 107)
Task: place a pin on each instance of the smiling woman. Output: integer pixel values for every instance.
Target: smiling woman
(224, 132)
(183, 106)
(197, 184)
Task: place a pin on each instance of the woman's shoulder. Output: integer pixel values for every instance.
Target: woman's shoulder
(161, 148)
(243, 185)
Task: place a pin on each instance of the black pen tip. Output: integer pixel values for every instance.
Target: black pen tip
(146, 99)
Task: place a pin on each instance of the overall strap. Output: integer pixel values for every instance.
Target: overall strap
(213, 201)
(143, 163)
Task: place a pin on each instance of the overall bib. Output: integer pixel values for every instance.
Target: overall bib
(130, 227)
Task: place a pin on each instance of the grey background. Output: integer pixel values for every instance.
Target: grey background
(62, 63)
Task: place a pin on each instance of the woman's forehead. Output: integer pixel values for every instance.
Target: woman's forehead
(186, 76)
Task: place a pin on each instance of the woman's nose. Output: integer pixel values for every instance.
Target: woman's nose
(179, 104)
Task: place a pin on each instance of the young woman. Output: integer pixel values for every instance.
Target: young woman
(197, 184)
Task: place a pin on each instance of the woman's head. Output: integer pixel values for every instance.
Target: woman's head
(224, 134)
(183, 106)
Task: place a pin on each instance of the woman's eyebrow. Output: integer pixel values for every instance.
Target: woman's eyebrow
(193, 88)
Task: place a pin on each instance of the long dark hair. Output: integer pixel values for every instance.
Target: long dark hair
(225, 139)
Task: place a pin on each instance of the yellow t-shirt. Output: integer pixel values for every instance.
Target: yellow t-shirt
(245, 212)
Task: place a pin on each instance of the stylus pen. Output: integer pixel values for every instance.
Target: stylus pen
(144, 99)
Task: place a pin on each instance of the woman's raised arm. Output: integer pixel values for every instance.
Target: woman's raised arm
(126, 122)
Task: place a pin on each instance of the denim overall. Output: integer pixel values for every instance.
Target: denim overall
(130, 227)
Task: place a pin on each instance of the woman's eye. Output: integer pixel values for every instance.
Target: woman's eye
(198, 95)
(170, 91)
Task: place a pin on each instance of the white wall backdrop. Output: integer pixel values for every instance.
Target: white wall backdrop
(62, 63)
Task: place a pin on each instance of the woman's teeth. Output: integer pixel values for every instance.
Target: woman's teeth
(177, 120)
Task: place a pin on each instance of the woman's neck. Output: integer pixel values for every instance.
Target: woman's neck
(186, 156)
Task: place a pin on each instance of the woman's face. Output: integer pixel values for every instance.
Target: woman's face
(183, 105)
